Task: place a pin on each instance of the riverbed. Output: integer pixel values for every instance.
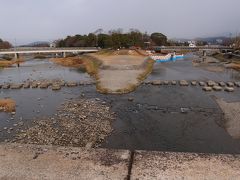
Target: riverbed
(163, 118)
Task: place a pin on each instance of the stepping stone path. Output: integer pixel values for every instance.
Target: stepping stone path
(183, 83)
(217, 88)
(207, 88)
(229, 89)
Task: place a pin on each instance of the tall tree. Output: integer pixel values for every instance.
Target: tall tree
(159, 39)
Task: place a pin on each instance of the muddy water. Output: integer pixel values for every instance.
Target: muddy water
(41, 69)
(164, 118)
(183, 69)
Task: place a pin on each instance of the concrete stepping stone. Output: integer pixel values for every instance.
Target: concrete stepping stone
(211, 83)
(43, 85)
(193, 83)
(165, 82)
(6, 86)
(26, 85)
(221, 83)
(217, 88)
(229, 89)
(56, 87)
(183, 83)
(157, 82)
(237, 84)
(71, 84)
(174, 82)
(230, 84)
(207, 88)
(201, 83)
(15, 86)
(34, 85)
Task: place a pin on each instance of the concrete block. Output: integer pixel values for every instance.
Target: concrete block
(183, 83)
(222, 84)
(230, 84)
(193, 83)
(201, 83)
(207, 88)
(50, 162)
(229, 89)
(173, 165)
(217, 88)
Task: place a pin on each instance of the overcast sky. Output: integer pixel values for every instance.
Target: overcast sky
(31, 20)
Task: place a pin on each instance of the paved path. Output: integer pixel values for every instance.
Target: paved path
(49, 162)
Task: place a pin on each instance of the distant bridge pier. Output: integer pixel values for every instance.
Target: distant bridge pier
(16, 56)
(64, 54)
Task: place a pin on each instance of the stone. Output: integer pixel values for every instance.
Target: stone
(237, 84)
(165, 82)
(6, 86)
(230, 84)
(211, 83)
(174, 82)
(34, 85)
(229, 89)
(130, 99)
(15, 86)
(201, 83)
(207, 88)
(183, 83)
(217, 88)
(71, 84)
(43, 85)
(222, 84)
(26, 85)
(193, 83)
(56, 87)
(157, 82)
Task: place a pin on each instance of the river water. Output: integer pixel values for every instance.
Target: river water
(152, 121)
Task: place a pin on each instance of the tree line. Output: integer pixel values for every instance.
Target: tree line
(4, 44)
(114, 39)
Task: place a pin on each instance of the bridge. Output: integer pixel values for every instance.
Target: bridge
(202, 48)
(63, 51)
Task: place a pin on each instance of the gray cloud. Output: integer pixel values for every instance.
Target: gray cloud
(30, 20)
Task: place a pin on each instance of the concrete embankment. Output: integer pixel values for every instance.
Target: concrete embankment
(49, 162)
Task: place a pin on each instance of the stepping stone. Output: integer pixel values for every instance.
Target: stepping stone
(230, 84)
(201, 83)
(229, 89)
(165, 82)
(222, 84)
(43, 85)
(6, 86)
(174, 82)
(34, 85)
(217, 88)
(16, 86)
(207, 88)
(194, 83)
(183, 83)
(71, 84)
(26, 85)
(211, 83)
(157, 82)
(237, 84)
(56, 87)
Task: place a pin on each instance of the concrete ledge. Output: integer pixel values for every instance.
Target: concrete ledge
(46, 162)
(161, 165)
